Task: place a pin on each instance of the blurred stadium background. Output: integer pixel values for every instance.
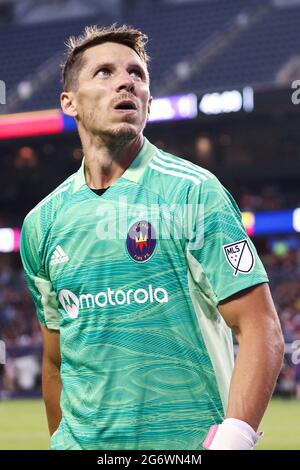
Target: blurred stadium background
(224, 78)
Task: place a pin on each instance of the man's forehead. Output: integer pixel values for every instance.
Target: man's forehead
(108, 51)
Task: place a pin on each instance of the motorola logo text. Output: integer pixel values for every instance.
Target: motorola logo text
(72, 304)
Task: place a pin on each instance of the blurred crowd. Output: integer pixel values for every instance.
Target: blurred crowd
(28, 172)
(20, 331)
(284, 275)
(18, 321)
(270, 197)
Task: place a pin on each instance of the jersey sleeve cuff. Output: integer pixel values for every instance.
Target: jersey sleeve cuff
(235, 289)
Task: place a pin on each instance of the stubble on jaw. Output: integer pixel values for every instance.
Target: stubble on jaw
(115, 138)
(119, 137)
(87, 118)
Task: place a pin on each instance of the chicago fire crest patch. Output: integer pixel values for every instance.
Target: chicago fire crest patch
(141, 241)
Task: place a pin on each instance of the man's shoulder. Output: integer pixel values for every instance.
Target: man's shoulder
(52, 201)
(175, 176)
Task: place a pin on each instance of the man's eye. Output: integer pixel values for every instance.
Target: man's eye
(104, 72)
(136, 72)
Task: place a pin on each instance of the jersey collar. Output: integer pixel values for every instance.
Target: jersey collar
(133, 172)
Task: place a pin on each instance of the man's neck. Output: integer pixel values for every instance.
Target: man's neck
(104, 165)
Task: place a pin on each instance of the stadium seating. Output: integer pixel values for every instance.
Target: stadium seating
(253, 58)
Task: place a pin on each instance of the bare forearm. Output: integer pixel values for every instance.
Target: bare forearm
(51, 394)
(257, 366)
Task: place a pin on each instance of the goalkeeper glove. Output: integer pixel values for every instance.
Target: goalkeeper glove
(232, 434)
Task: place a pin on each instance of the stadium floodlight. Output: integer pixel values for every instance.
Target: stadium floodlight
(2, 92)
(248, 99)
(219, 103)
(231, 101)
(170, 108)
(9, 240)
(296, 219)
(2, 352)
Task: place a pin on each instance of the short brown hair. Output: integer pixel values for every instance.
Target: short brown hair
(94, 35)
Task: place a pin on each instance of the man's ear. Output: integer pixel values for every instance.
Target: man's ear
(149, 105)
(68, 103)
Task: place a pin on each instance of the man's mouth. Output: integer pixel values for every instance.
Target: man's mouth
(125, 105)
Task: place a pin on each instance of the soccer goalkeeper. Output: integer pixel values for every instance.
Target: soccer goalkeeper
(137, 318)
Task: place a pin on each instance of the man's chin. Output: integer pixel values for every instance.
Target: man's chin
(125, 132)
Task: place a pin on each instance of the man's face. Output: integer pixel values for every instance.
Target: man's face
(112, 97)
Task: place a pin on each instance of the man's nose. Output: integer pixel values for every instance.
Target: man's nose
(125, 82)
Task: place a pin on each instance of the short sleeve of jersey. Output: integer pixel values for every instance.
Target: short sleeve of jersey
(40, 287)
(226, 255)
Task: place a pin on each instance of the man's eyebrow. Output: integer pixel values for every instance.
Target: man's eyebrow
(135, 64)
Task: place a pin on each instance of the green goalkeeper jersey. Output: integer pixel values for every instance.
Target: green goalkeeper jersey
(132, 280)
